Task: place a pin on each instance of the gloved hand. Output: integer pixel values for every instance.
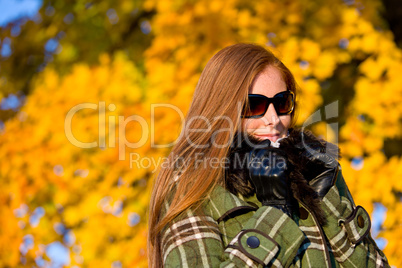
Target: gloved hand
(321, 169)
(268, 172)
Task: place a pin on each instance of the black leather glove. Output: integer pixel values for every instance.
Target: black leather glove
(322, 168)
(268, 172)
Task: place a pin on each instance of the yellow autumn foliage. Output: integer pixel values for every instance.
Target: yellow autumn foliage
(79, 188)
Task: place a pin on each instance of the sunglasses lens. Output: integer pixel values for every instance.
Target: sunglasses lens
(284, 103)
(257, 106)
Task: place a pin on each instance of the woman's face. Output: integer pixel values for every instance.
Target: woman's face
(271, 126)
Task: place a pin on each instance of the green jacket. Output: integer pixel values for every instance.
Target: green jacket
(232, 231)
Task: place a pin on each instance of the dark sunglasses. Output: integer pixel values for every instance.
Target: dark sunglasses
(258, 104)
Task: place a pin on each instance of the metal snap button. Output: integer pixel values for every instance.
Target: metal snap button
(253, 242)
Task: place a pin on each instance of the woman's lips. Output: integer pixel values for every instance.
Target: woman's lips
(271, 137)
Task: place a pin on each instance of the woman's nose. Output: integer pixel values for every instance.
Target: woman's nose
(271, 117)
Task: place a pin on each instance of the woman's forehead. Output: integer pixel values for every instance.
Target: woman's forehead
(269, 82)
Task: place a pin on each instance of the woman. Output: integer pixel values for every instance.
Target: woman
(242, 188)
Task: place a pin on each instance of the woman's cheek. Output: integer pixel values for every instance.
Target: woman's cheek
(249, 125)
(285, 121)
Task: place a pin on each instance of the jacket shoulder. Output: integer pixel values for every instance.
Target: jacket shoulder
(222, 204)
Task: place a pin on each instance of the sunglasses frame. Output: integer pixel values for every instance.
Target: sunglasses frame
(271, 100)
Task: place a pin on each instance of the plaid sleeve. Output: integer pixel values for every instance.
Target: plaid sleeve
(348, 229)
(196, 241)
(192, 241)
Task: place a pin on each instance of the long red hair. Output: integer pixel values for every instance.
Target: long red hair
(221, 90)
